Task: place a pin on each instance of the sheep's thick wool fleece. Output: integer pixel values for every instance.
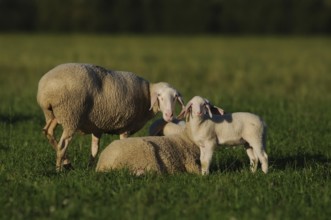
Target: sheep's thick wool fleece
(166, 154)
(88, 97)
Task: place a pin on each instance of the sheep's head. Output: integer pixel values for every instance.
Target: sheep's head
(166, 97)
(198, 107)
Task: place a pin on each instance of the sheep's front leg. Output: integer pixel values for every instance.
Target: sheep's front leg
(94, 148)
(124, 135)
(61, 158)
(206, 154)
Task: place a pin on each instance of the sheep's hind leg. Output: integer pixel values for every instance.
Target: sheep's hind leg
(49, 132)
(61, 158)
(94, 148)
(252, 158)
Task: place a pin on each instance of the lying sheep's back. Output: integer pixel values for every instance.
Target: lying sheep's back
(174, 153)
(177, 153)
(132, 153)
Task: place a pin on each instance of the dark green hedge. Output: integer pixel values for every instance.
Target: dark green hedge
(168, 16)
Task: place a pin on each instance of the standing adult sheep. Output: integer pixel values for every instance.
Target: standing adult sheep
(94, 100)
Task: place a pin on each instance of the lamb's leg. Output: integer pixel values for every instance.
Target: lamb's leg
(262, 155)
(264, 161)
(61, 158)
(49, 132)
(252, 158)
(94, 148)
(206, 154)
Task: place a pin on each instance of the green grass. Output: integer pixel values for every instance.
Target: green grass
(284, 80)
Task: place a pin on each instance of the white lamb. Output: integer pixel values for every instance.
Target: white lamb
(166, 154)
(228, 129)
(93, 100)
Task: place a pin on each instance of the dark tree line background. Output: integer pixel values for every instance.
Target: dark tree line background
(168, 16)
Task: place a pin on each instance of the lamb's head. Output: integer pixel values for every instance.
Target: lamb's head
(166, 97)
(198, 107)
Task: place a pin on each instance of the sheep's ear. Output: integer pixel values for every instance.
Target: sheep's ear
(154, 96)
(180, 100)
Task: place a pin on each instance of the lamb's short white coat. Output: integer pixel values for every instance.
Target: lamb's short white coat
(230, 129)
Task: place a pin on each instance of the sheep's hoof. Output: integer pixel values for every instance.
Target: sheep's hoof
(68, 166)
(58, 169)
(44, 131)
(204, 172)
(91, 162)
(139, 172)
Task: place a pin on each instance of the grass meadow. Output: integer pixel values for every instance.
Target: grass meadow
(286, 80)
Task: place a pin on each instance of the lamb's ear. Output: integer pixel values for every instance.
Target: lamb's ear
(217, 110)
(209, 111)
(185, 111)
(181, 114)
(187, 115)
(208, 105)
(212, 109)
(154, 96)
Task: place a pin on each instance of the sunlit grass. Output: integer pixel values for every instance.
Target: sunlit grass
(284, 80)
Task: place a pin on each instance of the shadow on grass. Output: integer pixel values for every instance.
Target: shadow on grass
(229, 164)
(299, 161)
(14, 119)
(4, 147)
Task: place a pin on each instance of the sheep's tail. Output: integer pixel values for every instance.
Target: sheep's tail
(48, 111)
(49, 115)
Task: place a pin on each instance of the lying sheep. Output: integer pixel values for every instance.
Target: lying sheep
(93, 100)
(228, 129)
(161, 127)
(170, 154)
